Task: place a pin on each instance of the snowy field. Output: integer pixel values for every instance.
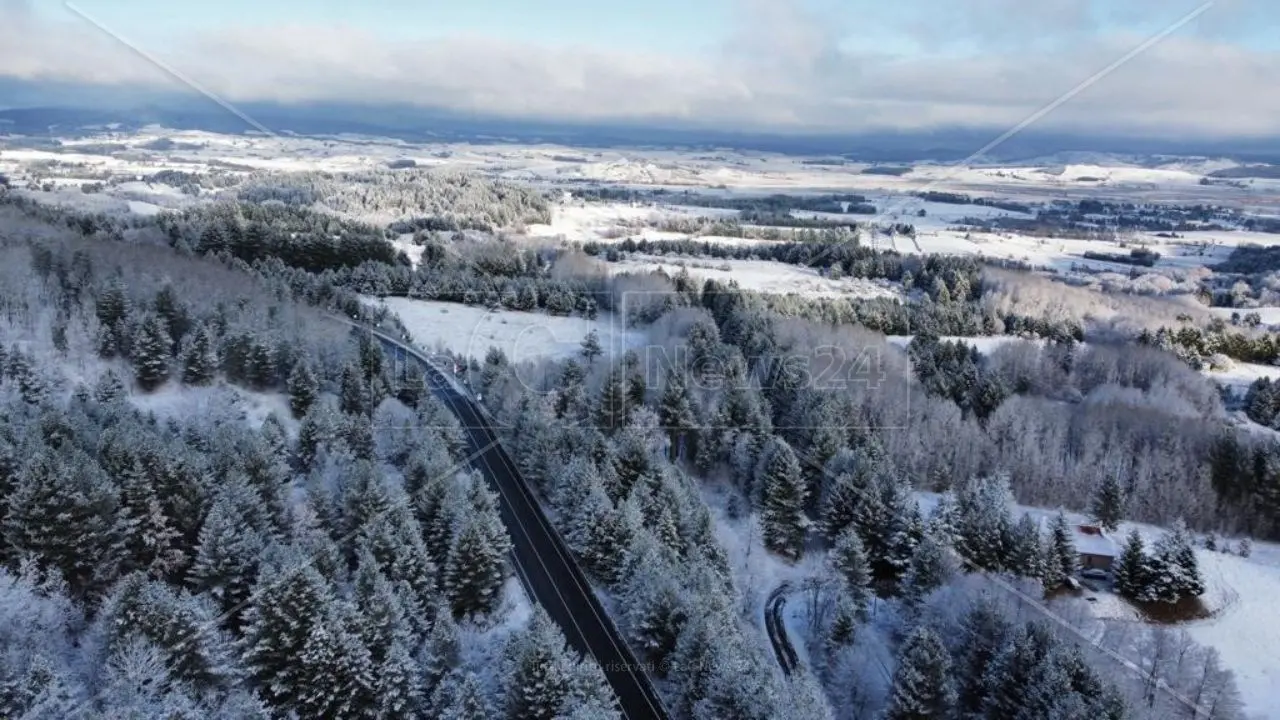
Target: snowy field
(765, 276)
(1241, 375)
(522, 336)
(1269, 315)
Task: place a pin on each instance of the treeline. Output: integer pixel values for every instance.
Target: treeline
(299, 237)
(453, 200)
(1137, 256)
(493, 273)
(1197, 346)
(951, 198)
(776, 204)
(946, 277)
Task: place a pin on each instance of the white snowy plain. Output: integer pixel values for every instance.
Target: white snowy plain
(523, 336)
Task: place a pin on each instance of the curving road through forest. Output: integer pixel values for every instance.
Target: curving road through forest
(543, 562)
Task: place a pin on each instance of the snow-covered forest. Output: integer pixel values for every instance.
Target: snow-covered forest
(166, 556)
(630, 453)
(332, 555)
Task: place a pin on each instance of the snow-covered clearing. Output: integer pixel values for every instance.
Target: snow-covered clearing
(578, 221)
(1269, 315)
(1247, 629)
(766, 276)
(985, 344)
(470, 331)
(1241, 375)
(221, 400)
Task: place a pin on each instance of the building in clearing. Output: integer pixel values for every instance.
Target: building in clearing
(1097, 551)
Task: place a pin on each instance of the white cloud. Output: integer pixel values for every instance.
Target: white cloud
(783, 70)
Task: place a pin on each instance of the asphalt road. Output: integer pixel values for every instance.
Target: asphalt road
(547, 570)
(777, 630)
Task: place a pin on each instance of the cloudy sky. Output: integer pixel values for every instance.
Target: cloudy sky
(786, 65)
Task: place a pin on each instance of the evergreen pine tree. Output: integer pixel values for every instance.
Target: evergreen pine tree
(849, 560)
(227, 557)
(983, 523)
(151, 353)
(354, 392)
(927, 572)
(1108, 504)
(303, 389)
(1132, 572)
(109, 388)
(334, 670)
(314, 432)
(387, 633)
(174, 313)
(1061, 559)
(199, 358)
(182, 627)
(31, 383)
(655, 612)
(290, 599)
(676, 415)
(844, 623)
(605, 533)
(845, 493)
(890, 525)
(476, 566)
(611, 415)
(1245, 548)
(637, 391)
(922, 688)
(1021, 680)
(63, 511)
(782, 502)
(111, 305)
(152, 541)
(537, 676)
(1027, 558)
(984, 632)
(1176, 572)
(591, 346)
(460, 697)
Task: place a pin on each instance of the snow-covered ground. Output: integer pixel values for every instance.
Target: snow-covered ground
(765, 276)
(1246, 630)
(577, 221)
(1241, 375)
(1269, 315)
(522, 336)
(985, 345)
(220, 400)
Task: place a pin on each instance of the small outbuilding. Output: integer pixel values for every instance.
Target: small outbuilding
(1096, 549)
